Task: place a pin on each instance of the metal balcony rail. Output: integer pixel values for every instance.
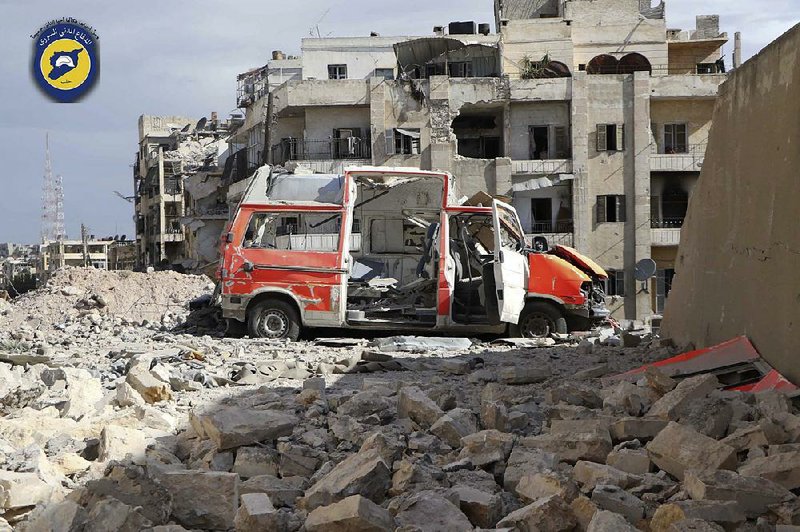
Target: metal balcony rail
(698, 150)
(562, 226)
(666, 223)
(315, 150)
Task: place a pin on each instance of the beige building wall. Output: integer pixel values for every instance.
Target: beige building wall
(695, 113)
(740, 247)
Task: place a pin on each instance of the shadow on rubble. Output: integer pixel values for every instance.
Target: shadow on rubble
(286, 436)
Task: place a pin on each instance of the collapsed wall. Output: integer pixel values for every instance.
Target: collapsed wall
(738, 268)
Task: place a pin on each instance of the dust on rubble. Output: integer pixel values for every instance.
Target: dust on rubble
(120, 425)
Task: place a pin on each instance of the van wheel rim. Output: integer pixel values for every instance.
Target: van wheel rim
(273, 324)
(536, 326)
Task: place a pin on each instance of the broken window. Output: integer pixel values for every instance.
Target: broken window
(549, 142)
(295, 231)
(402, 141)
(461, 69)
(337, 71)
(385, 73)
(675, 138)
(610, 137)
(615, 284)
(663, 287)
(610, 208)
(542, 215)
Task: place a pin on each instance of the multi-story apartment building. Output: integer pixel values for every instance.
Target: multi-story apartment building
(591, 116)
(170, 149)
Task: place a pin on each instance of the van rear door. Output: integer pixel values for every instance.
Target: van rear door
(510, 263)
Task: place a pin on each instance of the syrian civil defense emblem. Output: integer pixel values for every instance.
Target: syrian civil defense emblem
(65, 59)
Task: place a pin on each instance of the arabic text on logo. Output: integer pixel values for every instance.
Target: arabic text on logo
(65, 59)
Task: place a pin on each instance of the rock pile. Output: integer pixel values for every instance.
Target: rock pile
(135, 428)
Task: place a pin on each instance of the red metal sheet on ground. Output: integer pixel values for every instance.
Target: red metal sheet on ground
(773, 381)
(736, 351)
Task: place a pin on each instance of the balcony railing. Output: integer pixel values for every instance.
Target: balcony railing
(666, 223)
(677, 157)
(564, 226)
(546, 166)
(665, 236)
(315, 150)
(561, 239)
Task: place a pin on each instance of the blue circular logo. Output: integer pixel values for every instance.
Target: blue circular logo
(65, 60)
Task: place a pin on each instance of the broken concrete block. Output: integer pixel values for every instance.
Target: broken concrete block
(282, 492)
(722, 512)
(523, 461)
(125, 395)
(363, 474)
(605, 521)
(132, 486)
(678, 448)
(772, 404)
(481, 508)
(413, 403)
(633, 461)
(783, 469)
(616, 499)
(298, 460)
(486, 447)
(694, 525)
(574, 440)
(711, 416)
(534, 486)
(112, 514)
(118, 442)
(550, 514)
(367, 403)
(658, 381)
(747, 438)
(428, 511)
(22, 489)
(754, 495)
(256, 513)
(231, 427)
(152, 389)
(591, 474)
(688, 391)
(454, 425)
(494, 415)
(631, 428)
(629, 399)
(524, 375)
(584, 510)
(64, 515)
(355, 513)
(203, 499)
(255, 461)
(573, 394)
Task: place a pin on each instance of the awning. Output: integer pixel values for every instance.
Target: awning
(422, 51)
(409, 133)
(536, 183)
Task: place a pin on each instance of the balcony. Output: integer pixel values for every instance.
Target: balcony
(666, 231)
(686, 158)
(316, 93)
(558, 233)
(685, 86)
(547, 166)
(322, 150)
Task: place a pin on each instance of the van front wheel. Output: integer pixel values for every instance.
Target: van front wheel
(539, 320)
(273, 319)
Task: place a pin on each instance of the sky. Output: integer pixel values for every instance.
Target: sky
(181, 58)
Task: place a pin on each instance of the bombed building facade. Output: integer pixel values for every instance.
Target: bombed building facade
(591, 116)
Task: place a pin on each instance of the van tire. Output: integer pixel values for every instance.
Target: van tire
(539, 320)
(274, 319)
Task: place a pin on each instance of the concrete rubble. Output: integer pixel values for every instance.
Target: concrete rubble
(116, 424)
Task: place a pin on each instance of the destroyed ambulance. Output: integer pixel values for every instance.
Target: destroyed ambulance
(391, 248)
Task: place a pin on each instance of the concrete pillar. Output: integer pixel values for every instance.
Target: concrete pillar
(737, 49)
(502, 181)
(377, 119)
(441, 148)
(637, 191)
(581, 201)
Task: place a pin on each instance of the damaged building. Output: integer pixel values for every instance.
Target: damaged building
(177, 176)
(592, 116)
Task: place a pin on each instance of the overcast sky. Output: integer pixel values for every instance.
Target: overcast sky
(181, 57)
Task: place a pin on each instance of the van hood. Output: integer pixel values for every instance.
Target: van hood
(581, 261)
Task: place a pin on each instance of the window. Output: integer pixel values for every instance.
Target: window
(615, 284)
(610, 137)
(610, 209)
(663, 287)
(675, 138)
(541, 215)
(385, 73)
(296, 231)
(460, 70)
(337, 71)
(548, 142)
(402, 141)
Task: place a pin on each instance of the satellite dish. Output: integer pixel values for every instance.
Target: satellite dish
(645, 269)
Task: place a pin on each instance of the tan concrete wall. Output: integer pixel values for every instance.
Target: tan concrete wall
(321, 121)
(696, 114)
(524, 115)
(739, 257)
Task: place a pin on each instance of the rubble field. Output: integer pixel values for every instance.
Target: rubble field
(121, 411)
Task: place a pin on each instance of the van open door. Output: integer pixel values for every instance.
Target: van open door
(510, 263)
